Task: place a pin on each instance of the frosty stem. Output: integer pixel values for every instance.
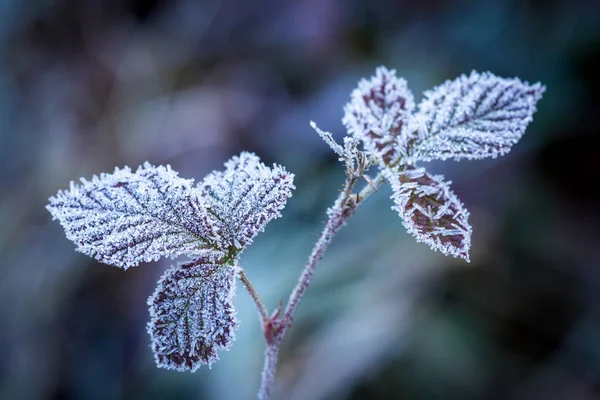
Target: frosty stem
(260, 306)
(275, 327)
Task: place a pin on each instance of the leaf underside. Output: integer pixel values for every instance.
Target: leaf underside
(192, 313)
(430, 210)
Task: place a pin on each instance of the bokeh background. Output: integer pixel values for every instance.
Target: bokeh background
(87, 85)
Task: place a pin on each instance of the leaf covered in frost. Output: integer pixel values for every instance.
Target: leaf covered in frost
(430, 210)
(472, 117)
(192, 314)
(126, 217)
(245, 197)
(378, 112)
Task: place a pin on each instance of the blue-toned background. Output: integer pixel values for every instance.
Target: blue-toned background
(87, 85)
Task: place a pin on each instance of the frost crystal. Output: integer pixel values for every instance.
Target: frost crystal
(430, 211)
(126, 218)
(328, 138)
(245, 197)
(378, 112)
(355, 160)
(475, 116)
(192, 314)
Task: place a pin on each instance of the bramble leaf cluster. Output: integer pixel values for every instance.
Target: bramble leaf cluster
(126, 218)
(471, 117)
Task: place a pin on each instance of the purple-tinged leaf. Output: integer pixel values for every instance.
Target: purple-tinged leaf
(126, 217)
(378, 113)
(430, 210)
(245, 197)
(471, 117)
(192, 313)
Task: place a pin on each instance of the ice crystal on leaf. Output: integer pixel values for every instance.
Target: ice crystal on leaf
(192, 313)
(126, 217)
(378, 112)
(471, 117)
(430, 210)
(245, 197)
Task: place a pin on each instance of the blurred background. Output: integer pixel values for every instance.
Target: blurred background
(88, 85)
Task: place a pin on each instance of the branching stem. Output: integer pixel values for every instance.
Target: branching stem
(275, 327)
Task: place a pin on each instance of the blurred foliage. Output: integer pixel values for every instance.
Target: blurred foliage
(87, 85)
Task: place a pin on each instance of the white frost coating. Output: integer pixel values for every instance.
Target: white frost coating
(192, 313)
(378, 112)
(356, 161)
(471, 117)
(328, 138)
(245, 197)
(126, 217)
(430, 210)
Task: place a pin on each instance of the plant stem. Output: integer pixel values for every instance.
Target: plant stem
(336, 219)
(268, 373)
(275, 328)
(370, 189)
(262, 310)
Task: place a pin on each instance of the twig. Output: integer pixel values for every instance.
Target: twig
(372, 187)
(262, 310)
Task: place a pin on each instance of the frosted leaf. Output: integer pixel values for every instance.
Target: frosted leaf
(378, 112)
(471, 117)
(192, 314)
(245, 197)
(126, 217)
(430, 210)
